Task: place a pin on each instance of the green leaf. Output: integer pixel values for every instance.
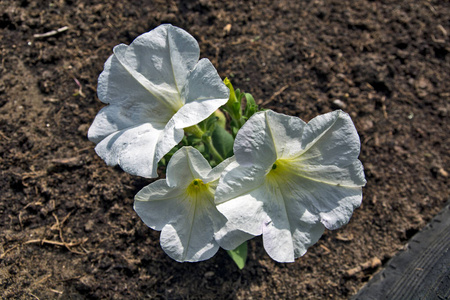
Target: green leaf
(223, 142)
(239, 255)
(251, 106)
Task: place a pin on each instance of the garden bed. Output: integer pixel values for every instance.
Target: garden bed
(68, 229)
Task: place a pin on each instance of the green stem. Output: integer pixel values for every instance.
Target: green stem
(217, 157)
(196, 131)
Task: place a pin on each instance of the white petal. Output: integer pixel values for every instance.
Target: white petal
(290, 229)
(190, 237)
(133, 149)
(245, 213)
(267, 136)
(214, 175)
(254, 143)
(168, 139)
(186, 165)
(237, 180)
(286, 132)
(330, 139)
(119, 85)
(113, 118)
(164, 55)
(157, 204)
(159, 61)
(351, 175)
(204, 93)
(334, 204)
(230, 237)
(187, 220)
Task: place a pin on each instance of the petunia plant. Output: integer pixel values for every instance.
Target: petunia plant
(229, 170)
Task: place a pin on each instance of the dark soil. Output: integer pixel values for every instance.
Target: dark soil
(68, 229)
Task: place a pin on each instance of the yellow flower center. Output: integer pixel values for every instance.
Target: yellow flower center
(280, 167)
(199, 192)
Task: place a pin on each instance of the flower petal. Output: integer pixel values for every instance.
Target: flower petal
(289, 229)
(330, 139)
(132, 149)
(307, 188)
(214, 175)
(351, 175)
(254, 144)
(131, 104)
(157, 204)
(203, 93)
(236, 181)
(159, 61)
(245, 213)
(187, 216)
(186, 165)
(190, 237)
(168, 139)
(230, 237)
(334, 204)
(267, 136)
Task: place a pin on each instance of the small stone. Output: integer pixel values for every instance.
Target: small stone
(83, 129)
(339, 104)
(89, 226)
(442, 172)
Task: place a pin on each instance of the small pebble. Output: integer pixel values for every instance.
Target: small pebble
(339, 103)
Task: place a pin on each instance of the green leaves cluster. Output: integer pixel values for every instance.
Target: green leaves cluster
(234, 107)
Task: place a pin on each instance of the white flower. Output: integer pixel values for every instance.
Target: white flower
(155, 87)
(182, 206)
(290, 180)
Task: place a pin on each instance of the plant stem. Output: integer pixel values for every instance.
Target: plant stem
(196, 131)
(217, 157)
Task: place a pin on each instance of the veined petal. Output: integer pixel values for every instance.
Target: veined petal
(289, 229)
(334, 204)
(351, 175)
(267, 136)
(246, 212)
(285, 132)
(330, 139)
(254, 143)
(236, 181)
(186, 165)
(118, 85)
(164, 93)
(133, 149)
(203, 94)
(190, 237)
(113, 118)
(157, 204)
(159, 61)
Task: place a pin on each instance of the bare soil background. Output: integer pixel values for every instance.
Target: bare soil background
(68, 229)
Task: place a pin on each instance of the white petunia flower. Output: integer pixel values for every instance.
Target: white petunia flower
(290, 180)
(155, 87)
(182, 206)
